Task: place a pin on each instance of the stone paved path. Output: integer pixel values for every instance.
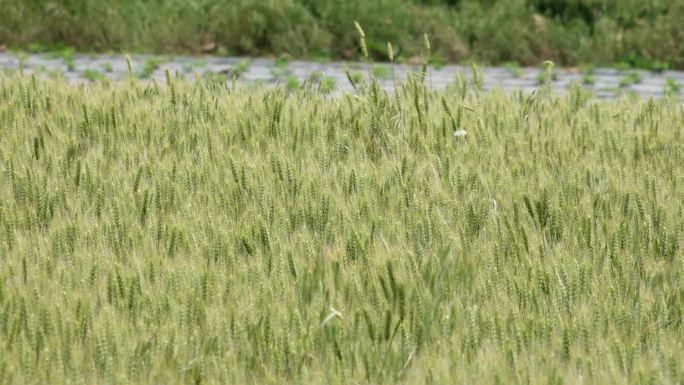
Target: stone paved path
(604, 82)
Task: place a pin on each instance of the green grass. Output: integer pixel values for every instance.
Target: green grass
(634, 32)
(327, 84)
(629, 79)
(513, 69)
(381, 72)
(238, 69)
(241, 67)
(188, 233)
(150, 66)
(282, 62)
(672, 87)
(549, 73)
(355, 78)
(588, 75)
(93, 75)
(68, 57)
(291, 82)
(107, 67)
(281, 70)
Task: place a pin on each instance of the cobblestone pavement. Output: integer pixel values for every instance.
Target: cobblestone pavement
(606, 83)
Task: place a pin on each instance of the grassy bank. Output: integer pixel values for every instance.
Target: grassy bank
(193, 234)
(635, 32)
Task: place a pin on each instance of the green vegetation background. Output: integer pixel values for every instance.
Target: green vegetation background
(636, 32)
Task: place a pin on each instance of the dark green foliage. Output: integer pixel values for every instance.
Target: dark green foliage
(638, 33)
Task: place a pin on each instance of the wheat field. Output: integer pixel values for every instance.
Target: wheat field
(192, 233)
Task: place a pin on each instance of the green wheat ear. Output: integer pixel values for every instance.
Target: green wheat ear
(129, 63)
(390, 55)
(478, 77)
(359, 29)
(426, 44)
(426, 62)
(364, 49)
(548, 72)
(362, 39)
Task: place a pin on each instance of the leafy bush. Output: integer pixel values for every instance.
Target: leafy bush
(644, 33)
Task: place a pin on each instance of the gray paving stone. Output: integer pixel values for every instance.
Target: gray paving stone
(263, 70)
(647, 88)
(518, 82)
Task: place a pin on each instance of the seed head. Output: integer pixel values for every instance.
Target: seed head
(364, 49)
(359, 29)
(129, 63)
